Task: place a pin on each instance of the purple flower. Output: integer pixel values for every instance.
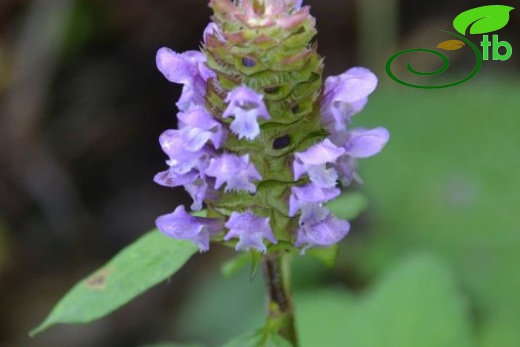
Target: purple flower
(237, 172)
(183, 147)
(189, 69)
(202, 127)
(250, 230)
(346, 95)
(318, 227)
(213, 29)
(309, 193)
(358, 143)
(246, 106)
(313, 162)
(182, 225)
(362, 143)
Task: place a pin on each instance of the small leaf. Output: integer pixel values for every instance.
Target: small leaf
(233, 265)
(259, 339)
(451, 45)
(327, 255)
(483, 20)
(348, 206)
(148, 261)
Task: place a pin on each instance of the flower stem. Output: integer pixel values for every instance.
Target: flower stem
(276, 270)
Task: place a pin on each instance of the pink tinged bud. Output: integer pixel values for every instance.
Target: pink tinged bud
(250, 230)
(246, 106)
(237, 172)
(346, 95)
(213, 30)
(183, 226)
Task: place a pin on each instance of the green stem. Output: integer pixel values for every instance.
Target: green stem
(276, 270)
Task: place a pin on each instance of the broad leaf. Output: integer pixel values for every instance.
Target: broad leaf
(171, 344)
(259, 339)
(416, 304)
(148, 261)
(483, 20)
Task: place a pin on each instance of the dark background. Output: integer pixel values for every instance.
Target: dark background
(81, 108)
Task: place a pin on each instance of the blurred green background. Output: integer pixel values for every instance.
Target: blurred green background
(433, 261)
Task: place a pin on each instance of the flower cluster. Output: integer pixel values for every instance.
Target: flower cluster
(260, 141)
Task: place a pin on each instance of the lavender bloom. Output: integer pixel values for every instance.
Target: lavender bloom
(358, 143)
(237, 172)
(184, 226)
(345, 95)
(250, 230)
(246, 83)
(183, 147)
(188, 69)
(309, 193)
(313, 162)
(246, 106)
(202, 126)
(318, 227)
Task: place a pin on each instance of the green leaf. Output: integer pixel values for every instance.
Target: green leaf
(259, 339)
(348, 206)
(483, 20)
(416, 304)
(171, 344)
(233, 265)
(327, 255)
(148, 261)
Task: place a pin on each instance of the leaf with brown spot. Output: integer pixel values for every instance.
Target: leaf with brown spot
(98, 280)
(451, 45)
(151, 259)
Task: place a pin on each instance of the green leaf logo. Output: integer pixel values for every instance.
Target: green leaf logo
(483, 20)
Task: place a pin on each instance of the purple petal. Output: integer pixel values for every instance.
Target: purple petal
(197, 190)
(237, 172)
(322, 176)
(346, 95)
(172, 143)
(324, 233)
(212, 29)
(170, 178)
(246, 106)
(198, 117)
(309, 193)
(250, 230)
(175, 67)
(192, 94)
(182, 225)
(321, 153)
(245, 124)
(365, 143)
(346, 167)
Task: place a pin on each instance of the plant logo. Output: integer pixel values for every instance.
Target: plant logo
(479, 20)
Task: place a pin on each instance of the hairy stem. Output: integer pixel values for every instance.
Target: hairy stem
(276, 270)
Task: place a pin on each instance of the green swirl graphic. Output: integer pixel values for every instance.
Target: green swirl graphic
(444, 67)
